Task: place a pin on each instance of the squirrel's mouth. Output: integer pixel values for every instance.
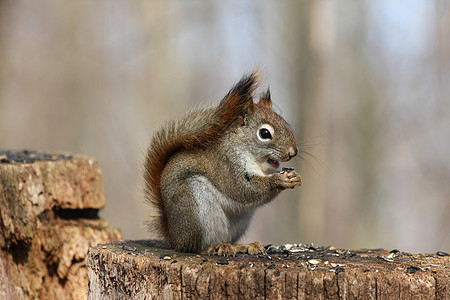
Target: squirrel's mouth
(274, 163)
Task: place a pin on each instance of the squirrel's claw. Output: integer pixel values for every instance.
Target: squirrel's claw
(256, 248)
(231, 250)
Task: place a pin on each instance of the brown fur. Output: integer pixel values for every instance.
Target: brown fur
(188, 133)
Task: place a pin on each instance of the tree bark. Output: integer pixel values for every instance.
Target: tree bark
(135, 270)
(48, 219)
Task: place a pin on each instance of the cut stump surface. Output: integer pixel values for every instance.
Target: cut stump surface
(135, 270)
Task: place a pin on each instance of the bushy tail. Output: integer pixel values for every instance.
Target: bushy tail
(196, 130)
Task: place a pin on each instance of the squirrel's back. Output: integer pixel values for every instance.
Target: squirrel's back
(193, 131)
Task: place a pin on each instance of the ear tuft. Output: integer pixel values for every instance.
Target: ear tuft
(239, 100)
(265, 100)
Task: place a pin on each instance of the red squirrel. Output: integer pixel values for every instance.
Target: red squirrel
(208, 171)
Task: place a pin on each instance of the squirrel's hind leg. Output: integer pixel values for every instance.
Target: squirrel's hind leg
(231, 250)
(183, 219)
(195, 216)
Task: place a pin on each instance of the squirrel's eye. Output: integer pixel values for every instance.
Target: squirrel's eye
(265, 134)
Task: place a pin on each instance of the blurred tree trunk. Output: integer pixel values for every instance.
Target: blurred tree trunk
(323, 66)
(2, 56)
(297, 53)
(315, 97)
(441, 63)
(313, 31)
(354, 137)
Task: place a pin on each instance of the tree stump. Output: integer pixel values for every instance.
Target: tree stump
(135, 270)
(48, 220)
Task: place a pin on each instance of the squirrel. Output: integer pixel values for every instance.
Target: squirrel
(208, 171)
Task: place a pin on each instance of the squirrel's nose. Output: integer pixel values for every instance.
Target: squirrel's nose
(292, 152)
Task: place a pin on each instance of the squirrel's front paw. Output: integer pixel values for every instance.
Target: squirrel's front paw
(287, 179)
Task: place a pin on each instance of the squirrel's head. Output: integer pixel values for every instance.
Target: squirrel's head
(267, 135)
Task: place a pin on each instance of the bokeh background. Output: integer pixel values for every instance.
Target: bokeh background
(364, 84)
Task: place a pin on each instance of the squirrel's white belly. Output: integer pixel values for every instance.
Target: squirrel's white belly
(222, 219)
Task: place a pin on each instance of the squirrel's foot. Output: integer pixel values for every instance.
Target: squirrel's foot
(231, 250)
(288, 179)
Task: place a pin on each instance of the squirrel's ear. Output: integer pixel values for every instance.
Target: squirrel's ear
(239, 100)
(265, 100)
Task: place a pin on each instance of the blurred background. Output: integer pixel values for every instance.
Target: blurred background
(365, 85)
